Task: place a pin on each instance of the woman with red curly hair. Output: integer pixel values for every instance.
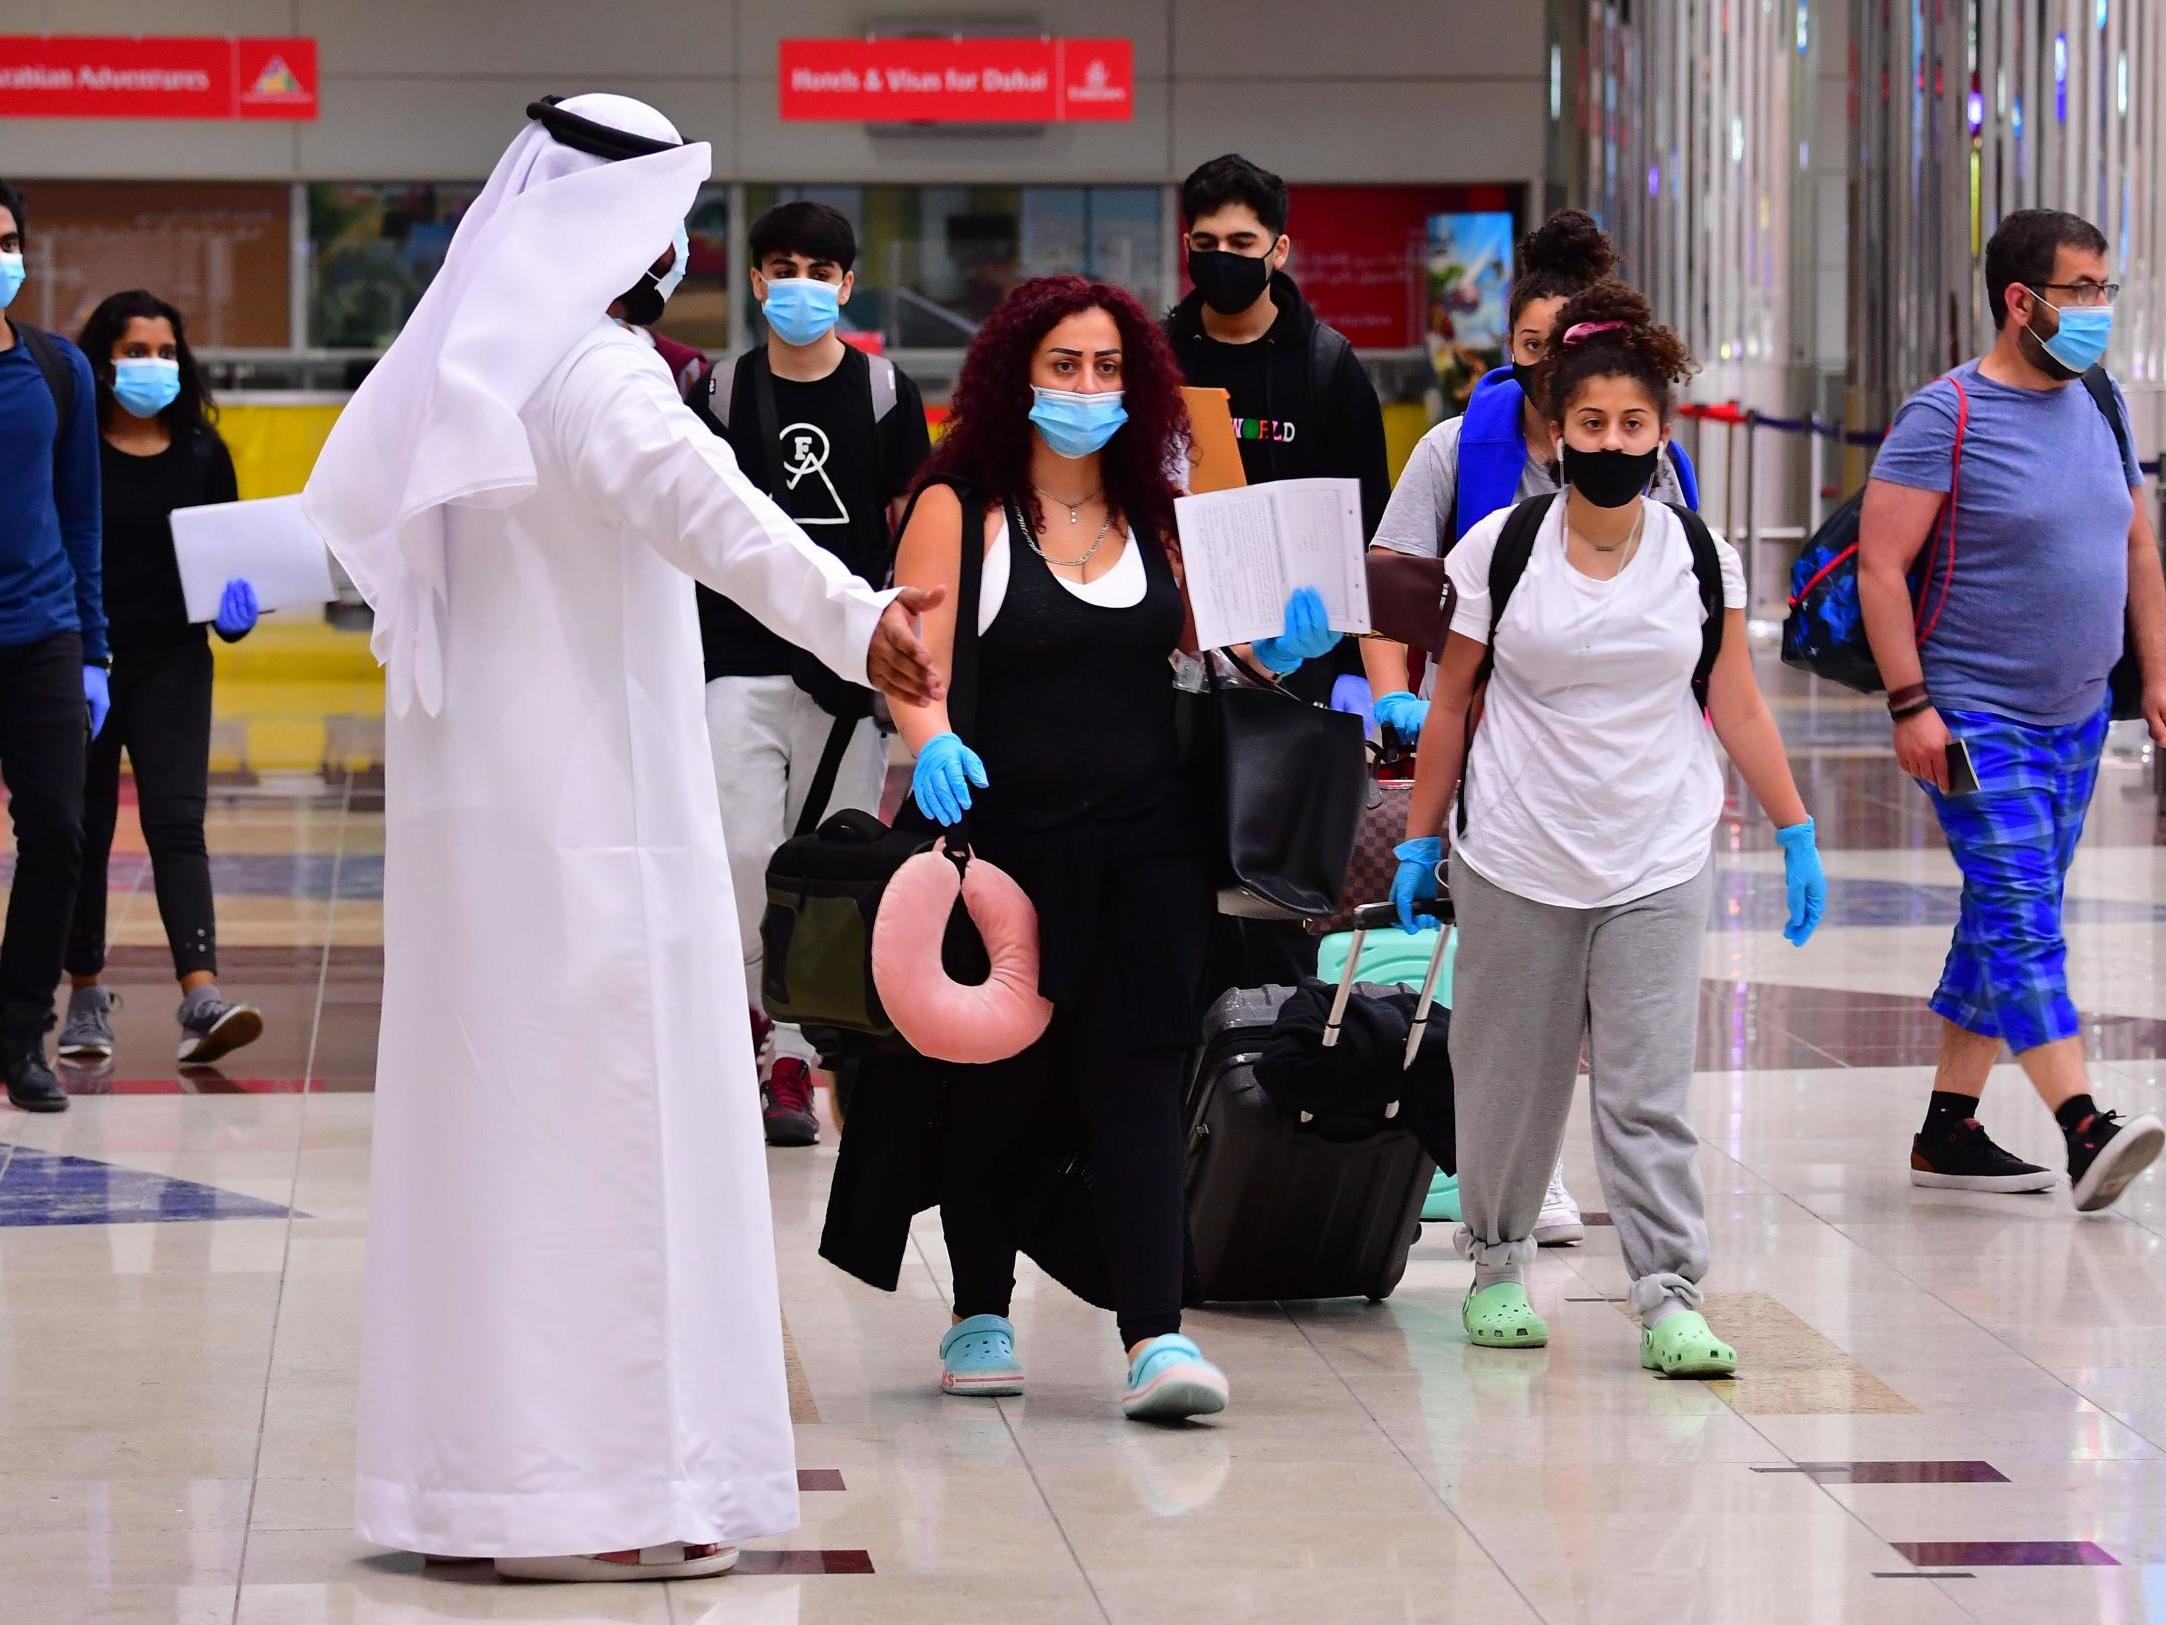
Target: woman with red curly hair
(1063, 427)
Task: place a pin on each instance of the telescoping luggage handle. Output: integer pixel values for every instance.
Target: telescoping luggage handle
(1373, 917)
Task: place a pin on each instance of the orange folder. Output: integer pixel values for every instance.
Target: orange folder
(1214, 457)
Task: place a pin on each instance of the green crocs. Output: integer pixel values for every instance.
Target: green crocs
(1500, 1317)
(1441, 1205)
(1681, 1345)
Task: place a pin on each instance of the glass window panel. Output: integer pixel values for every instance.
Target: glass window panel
(375, 247)
(373, 250)
(935, 261)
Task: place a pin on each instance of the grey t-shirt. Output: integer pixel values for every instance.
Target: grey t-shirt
(1419, 518)
(2034, 615)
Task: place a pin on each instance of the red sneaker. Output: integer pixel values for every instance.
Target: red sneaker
(786, 1104)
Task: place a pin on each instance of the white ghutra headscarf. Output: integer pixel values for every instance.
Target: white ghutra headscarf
(555, 236)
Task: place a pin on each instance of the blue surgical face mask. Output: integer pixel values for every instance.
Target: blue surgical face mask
(2079, 343)
(146, 385)
(11, 278)
(801, 309)
(1075, 424)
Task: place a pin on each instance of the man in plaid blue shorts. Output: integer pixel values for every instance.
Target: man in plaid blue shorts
(2051, 565)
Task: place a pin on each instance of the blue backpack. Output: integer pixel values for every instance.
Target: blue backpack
(1824, 632)
(1493, 451)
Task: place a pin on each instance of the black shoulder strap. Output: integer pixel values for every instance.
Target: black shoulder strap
(2100, 384)
(1326, 345)
(1515, 547)
(962, 678)
(766, 420)
(1707, 567)
(59, 378)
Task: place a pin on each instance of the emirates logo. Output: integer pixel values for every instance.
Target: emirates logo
(1098, 84)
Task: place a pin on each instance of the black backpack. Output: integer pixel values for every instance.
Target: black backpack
(1515, 547)
(1824, 632)
(52, 359)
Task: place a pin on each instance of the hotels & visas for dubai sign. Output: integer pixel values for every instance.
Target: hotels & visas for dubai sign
(958, 81)
(172, 77)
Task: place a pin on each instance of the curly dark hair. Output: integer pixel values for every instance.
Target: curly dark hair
(1635, 348)
(988, 437)
(1566, 254)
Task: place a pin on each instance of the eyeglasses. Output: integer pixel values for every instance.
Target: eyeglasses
(2087, 293)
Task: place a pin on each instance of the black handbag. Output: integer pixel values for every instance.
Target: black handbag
(824, 883)
(1285, 782)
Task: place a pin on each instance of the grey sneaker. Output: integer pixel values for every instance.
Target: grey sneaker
(87, 1035)
(211, 1028)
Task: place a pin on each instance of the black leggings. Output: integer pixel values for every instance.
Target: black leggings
(162, 715)
(1130, 1105)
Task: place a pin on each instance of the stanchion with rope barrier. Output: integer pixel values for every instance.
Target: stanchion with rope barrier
(1734, 415)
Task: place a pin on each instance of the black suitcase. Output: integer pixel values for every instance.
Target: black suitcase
(1284, 1206)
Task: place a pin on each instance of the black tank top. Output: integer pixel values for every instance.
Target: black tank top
(1075, 700)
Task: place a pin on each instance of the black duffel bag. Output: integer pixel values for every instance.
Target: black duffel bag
(824, 883)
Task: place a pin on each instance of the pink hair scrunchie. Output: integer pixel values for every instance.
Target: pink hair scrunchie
(939, 1017)
(1581, 332)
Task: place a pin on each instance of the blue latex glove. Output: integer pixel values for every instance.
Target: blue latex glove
(1403, 714)
(1807, 885)
(946, 770)
(1416, 880)
(236, 611)
(1351, 695)
(98, 690)
(1307, 635)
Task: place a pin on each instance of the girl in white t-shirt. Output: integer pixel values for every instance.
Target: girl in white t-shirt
(1582, 873)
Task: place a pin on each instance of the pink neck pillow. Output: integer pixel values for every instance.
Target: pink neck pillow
(939, 1017)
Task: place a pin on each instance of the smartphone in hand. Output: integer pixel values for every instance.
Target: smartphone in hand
(1962, 776)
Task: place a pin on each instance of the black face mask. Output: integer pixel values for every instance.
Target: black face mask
(1523, 374)
(1609, 479)
(1229, 282)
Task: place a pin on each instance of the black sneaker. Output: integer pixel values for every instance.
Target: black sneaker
(1968, 1160)
(2106, 1153)
(31, 1084)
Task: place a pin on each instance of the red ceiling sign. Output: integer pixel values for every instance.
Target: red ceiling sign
(182, 77)
(958, 81)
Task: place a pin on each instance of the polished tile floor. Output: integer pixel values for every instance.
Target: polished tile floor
(1953, 1407)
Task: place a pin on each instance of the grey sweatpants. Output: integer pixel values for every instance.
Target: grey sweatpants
(1530, 982)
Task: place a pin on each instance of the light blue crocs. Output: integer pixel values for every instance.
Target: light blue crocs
(1171, 1380)
(1441, 1205)
(978, 1357)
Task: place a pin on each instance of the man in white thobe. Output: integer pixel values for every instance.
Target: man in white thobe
(572, 1355)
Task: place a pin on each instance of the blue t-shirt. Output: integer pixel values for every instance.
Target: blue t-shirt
(2034, 618)
(49, 523)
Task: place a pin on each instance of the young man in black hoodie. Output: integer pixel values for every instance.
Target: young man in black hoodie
(1302, 407)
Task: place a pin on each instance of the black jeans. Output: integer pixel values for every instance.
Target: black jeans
(44, 727)
(162, 715)
(1130, 1104)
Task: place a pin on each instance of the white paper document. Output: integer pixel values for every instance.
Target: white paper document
(269, 542)
(1246, 550)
